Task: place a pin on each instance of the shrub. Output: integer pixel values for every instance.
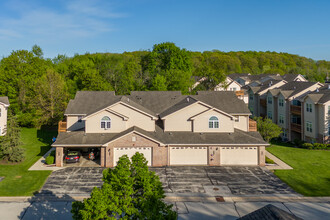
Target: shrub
(269, 161)
(307, 146)
(298, 142)
(319, 146)
(50, 160)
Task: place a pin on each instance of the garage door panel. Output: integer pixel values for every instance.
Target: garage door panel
(130, 151)
(239, 156)
(188, 156)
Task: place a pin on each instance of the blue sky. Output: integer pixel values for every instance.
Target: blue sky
(80, 26)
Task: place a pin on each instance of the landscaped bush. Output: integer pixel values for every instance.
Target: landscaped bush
(269, 161)
(298, 142)
(319, 146)
(50, 160)
(307, 146)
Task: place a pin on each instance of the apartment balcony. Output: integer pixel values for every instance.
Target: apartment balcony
(295, 109)
(252, 125)
(263, 102)
(62, 126)
(296, 127)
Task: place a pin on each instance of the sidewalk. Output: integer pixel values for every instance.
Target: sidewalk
(280, 165)
(40, 164)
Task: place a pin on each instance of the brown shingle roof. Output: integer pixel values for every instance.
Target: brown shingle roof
(174, 137)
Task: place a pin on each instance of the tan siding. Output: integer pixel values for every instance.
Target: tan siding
(93, 124)
(3, 119)
(179, 121)
(73, 124)
(135, 118)
(201, 122)
(243, 123)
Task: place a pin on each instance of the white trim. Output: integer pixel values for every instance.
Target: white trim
(76, 145)
(5, 105)
(74, 114)
(147, 137)
(123, 103)
(257, 145)
(215, 109)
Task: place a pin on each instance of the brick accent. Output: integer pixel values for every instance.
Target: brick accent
(262, 155)
(214, 156)
(159, 153)
(59, 156)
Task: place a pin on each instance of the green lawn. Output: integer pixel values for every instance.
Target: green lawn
(311, 169)
(18, 180)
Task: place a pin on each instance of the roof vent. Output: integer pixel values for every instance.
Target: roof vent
(127, 99)
(170, 133)
(317, 90)
(328, 86)
(294, 87)
(187, 99)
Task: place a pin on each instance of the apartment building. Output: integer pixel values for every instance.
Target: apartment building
(285, 106)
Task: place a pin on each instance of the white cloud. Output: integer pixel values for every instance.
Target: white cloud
(76, 19)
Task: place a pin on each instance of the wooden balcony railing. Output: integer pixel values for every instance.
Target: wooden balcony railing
(62, 126)
(295, 109)
(296, 127)
(263, 102)
(239, 93)
(252, 125)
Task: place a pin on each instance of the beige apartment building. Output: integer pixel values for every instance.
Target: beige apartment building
(170, 129)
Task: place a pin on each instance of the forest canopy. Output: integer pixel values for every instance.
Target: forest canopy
(39, 88)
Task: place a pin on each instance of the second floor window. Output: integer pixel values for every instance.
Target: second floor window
(309, 126)
(281, 119)
(270, 115)
(309, 107)
(213, 122)
(270, 100)
(106, 122)
(281, 102)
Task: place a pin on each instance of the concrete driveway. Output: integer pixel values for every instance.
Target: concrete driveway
(192, 180)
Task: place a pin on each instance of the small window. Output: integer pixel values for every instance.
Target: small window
(213, 122)
(234, 89)
(281, 119)
(270, 100)
(270, 115)
(251, 97)
(106, 122)
(309, 127)
(281, 102)
(80, 118)
(309, 107)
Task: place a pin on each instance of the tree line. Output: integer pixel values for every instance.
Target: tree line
(39, 88)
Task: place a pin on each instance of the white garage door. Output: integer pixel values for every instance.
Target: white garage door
(239, 156)
(188, 155)
(130, 151)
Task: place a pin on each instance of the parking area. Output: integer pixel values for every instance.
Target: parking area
(198, 180)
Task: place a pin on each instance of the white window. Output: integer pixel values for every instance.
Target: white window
(106, 122)
(270, 100)
(213, 122)
(270, 115)
(281, 102)
(309, 126)
(281, 119)
(309, 107)
(234, 89)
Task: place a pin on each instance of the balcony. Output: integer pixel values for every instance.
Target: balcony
(252, 125)
(239, 93)
(295, 109)
(62, 126)
(296, 127)
(263, 102)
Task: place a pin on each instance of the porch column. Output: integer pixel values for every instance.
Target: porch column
(262, 156)
(59, 156)
(102, 156)
(109, 156)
